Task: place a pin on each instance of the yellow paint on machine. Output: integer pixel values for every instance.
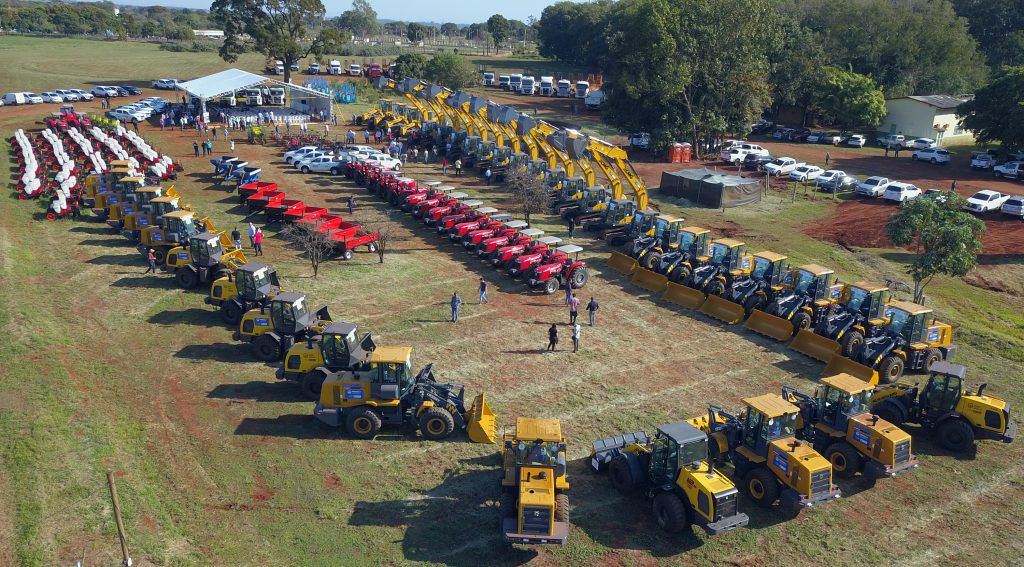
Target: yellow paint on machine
(814, 345)
(652, 281)
(683, 296)
(622, 263)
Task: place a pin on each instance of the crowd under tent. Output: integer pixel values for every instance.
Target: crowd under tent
(234, 87)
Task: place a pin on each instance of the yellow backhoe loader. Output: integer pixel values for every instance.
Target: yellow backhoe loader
(534, 502)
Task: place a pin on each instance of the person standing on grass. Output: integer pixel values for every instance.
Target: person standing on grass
(456, 303)
(592, 309)
(952, 187)
(252, 235)
(444, 167)
(366, 136)
(572, 227)
(568, 293)
(237, 238)
(552, 337)
(195, 147)
(351, 204)
(483, 292)
(828, 158)
(258, 241)
(458, 168)
(151, 257)
(574, 309)
(575, 337)
(487, 175)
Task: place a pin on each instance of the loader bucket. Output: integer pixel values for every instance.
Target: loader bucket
(683, 296)
(722, 309)
(649, 280)
(481, 423)
(622, 263)
(769, 325)
(814, 345)
(839, 364)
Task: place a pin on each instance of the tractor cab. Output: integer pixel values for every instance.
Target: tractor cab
(770, 268)
(535, 507)
(519, 160)
(814, 281)
(866, 299)
(642, 223)
(205, 250)
(255, 281)
(618, 211)
(911, 339)
(128, 186)
(572, 189)
(676, 445)
(179, 226)
(250, 286)
(766, 419)
(538, 168)
(841, 398)
(340, 348)
(555, 180)
(390, 375)
(502, 156)
(727, 261)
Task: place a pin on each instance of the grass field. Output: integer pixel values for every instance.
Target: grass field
(218, 464)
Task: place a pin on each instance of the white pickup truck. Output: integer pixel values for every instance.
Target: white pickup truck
(1009, 170)
(735, 154)
(894, 141)
(985, 200)
(982, 160)
(781, 166)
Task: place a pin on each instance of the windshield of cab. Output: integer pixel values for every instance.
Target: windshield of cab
(335, 348)
(803, 281)
(858, 299)
(299, 309)
(782, 426)
(686, 240)
(536, 453)
(187, 226)
(899, 322)
(760, 268)
(693, 452)
(719, 252)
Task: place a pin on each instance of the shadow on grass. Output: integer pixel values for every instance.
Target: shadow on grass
(111, 242)
(104, 229)
(118, 260)
(145, 281)
(278, 391)
(193, 316)
(220, 352)
(296, 426)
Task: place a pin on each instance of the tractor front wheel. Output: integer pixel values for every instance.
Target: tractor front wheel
(186, 278)
(716, 287)
(850, 342)
(888, 411)
(751, 303)
(362, 423)
(312, 383)
(266, 348)
(561, 507)
(682, 274)
(436, 423)
(161, 256)
(551, 285)
(347, 254)
(670, 513)
(955, 435)
(761, 486)
(934, 355)
(652, 260)
(621, 476)
(891, 369)
(231, 312)
(846, 461)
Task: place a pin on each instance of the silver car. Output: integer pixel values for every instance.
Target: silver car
(1014, 207)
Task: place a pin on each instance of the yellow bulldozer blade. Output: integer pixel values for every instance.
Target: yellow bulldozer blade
(683, 296)
(769, 325)
(814, 345)
(722, 309)
(622, 263)
(481, 423)
(839, 364)
(649, 280)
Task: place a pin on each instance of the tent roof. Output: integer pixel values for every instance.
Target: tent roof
(230, 80)
(714, 177)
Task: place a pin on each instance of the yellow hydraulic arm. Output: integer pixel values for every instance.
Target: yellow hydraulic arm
(541, 133)
(458, 102)
(504, 119)
(435, 97)
(522, 124)
(612, 155)
(574, 144)
(478, 109)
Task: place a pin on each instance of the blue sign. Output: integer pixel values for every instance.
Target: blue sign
(789, 278)
(746, 263)
(183, 255)
(158, 237)
(779, 460)
(353, 392)
(143, 221)
(835, 292)
(862, 435)
(933, 334)
(263, 321)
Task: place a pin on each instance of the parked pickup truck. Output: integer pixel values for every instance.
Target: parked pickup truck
(985, 200)
(735, 154)
(781, 166)
(982, 160)
(894, 141)
(1009, 170)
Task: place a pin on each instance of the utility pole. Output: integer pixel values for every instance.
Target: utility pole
(127, 560)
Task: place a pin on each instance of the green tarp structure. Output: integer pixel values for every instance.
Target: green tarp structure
(710, 188)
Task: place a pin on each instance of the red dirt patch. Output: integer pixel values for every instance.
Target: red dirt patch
(332, 481)
(261, 492)
(147, 522)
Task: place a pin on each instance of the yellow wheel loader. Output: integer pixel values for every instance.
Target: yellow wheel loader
(956, 416)
(859, 312)
(337, 348)
(838, 421)
(912, 339)
(767, 459)
(109, 204)
(96, 183)
(173, 229)
(812, 291)
(534, 502)
(249, 287)
(675, 472)
(387, 393)
(149, 214)
(727, 260)
(272, 330)
(204, 260)
(648, 247)
(125, 211)
(750, 291)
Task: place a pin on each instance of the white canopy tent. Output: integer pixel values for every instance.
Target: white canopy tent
(230, 81)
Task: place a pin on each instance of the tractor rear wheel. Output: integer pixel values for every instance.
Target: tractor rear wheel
(761, 486)
(801, 320)
(266, 348)
(891, 369)
(186, 278)
(956, 435)
(716, 287)
(551, 285)
(578, 278)
(670, 512)
(850, 342)
(888, 411)
(436, 423)
(312, 383)
(846, 461)
(934, 355)
(347, 254)
(621, 476)
(561, 507)
(362, 423)
(231, 312)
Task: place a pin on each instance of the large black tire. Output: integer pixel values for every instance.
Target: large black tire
(751, 303)
(578, 278)
(934, 355)
(186, 278)
(956, 435)
(670, 512)
(266, 348)
(161, 256)
(681, 274)
(651, 260)
(890, 369)
(561, 507)
(621, 476)
(801, 320)
(888, 411)
(850, 342)
(231, 312)
(845, 459)
(311, 384)
(761, 486)
(362, 423)
(551, 285)
(436, 423)
(716, 287)
(508, 505)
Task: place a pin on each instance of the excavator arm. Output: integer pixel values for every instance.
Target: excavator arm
(503, 119)
(574, 144)
(543, 132)
(458, 102)
(615, 156)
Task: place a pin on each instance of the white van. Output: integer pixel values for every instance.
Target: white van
(593, 100)
(528, 85)
(14, 98)
(503, 82)
(279, 67)
(488, 79)
(514, 82)
(564, 88)
(547, 86)
(355, 70)
(582, 89)
(335, 68)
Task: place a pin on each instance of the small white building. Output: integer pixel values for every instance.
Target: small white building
(209, 33)
(926, 116)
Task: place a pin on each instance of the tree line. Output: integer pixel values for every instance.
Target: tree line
(98, 18)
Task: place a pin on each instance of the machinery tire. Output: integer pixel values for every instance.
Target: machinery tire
(436, 423)
(801, 321)
(578, 278)
(551, 285)
(231, 312)
(561, 507)
(956, 435)
(934, 355)
(846, 461)
(751, 303)
(716, 287)
(890, 369)
(311, 384)
(850, 342)
(761, 486)
(670, 512)
(682, 274)
(266, 348)
(186, 278)
(508, 505)
(347, 254)
(161, 256)
(362, 423)
(888, 411)
(621, 476)
(651, 260)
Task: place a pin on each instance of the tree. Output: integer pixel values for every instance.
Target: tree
(996, 113)
(944, 238)
(796, 61)
(361, 20)
(410, 65)
(529, 195)
(386, 228)
(274, 28)
(449, 70)
(416, 32)
(448, 29)
(998, 27)
(575, 32)
(499, 28)
(315, 244)
(848, 99)
(395, 28)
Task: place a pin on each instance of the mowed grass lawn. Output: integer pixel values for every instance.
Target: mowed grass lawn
(106, 368)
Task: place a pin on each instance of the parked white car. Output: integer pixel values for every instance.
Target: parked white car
(856, 141)
(1014, 207)
(68, 95)
(894, 141)
(387, 162)
(736, 153)
(50, 96)
(806, 173)
(310, 156)
(873, 186)
(836, 180)
(82, 94)
(985, 201)
(125, 115)
(781, 166)
(166, 84)
(899, 192)
(1009, 170)
(931, 155)
(982, 160)
(923, 143)
(33, 98)
(102, 90)
(322, 164)
(291, 155)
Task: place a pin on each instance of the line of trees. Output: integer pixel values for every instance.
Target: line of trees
(99, 19)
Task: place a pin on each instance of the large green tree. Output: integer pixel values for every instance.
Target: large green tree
(996, 113)
(275, 28)
(449, 29)
(797, 60)
(411, 65)
(416, 32)
(942, 236)
(575, 32)
(361, 20)
(849, 100)
(449, 70)
(998, 26)
(499, 28)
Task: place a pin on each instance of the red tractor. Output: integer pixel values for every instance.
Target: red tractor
(432, 210)
(491, 228)
(489, 247)
(455, 215)
(396, 189)
(412, 202)
(377, 178)
(540, 251)
(476, 221)
(560, 268)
